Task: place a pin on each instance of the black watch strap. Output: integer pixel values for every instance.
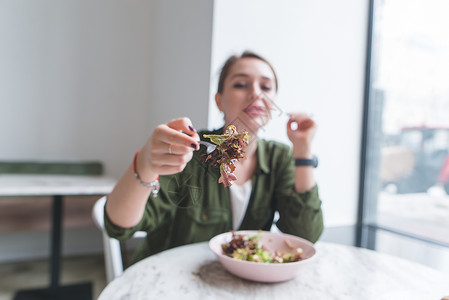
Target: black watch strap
(299, 162)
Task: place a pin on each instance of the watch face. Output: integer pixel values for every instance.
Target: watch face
(315, 161)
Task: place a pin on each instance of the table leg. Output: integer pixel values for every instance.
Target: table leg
(56, 239)
(82, 291)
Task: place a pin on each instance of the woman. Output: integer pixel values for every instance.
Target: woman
(191, 205)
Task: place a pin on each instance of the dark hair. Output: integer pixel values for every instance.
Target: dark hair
(232, 60)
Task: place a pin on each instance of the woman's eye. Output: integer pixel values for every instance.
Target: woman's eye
(239, 85)
(266, 88)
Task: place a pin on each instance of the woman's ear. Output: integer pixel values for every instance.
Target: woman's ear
(218, 101)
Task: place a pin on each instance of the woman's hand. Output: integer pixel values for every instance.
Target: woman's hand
(300, 130)
(168, 150)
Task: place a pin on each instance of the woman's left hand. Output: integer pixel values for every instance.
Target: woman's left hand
(301, 135)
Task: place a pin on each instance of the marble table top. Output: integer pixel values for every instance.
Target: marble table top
(49, 185)
(337, 272)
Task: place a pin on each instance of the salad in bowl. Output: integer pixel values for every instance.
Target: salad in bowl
(262, 256)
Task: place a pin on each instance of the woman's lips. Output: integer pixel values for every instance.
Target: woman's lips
(254, 110)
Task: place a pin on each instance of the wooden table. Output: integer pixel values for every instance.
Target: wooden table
(55, 186)
(337, 272)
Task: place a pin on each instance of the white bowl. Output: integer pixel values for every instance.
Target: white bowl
(263, 272)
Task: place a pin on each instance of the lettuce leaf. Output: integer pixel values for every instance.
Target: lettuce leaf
(230, 148)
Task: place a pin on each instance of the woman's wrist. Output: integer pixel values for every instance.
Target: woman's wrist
(302, 150)
(302, 153)
(153, 184)
(140, 167)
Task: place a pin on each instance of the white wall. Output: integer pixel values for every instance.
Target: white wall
(74, 79)
(89, 80)
(318, 50)
(181, 34)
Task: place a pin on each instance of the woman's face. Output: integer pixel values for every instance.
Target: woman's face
(248, 94)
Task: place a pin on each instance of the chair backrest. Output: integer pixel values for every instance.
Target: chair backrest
(112, 249)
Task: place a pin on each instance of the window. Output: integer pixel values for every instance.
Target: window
(405, 170)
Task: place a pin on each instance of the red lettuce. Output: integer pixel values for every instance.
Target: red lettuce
(230, 148)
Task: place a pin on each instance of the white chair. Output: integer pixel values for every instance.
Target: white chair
(112, 250)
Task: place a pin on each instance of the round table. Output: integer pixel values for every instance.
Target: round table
(337, 272)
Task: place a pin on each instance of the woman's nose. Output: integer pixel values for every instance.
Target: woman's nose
(255, 92)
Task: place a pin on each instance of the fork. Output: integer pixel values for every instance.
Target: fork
(210, 147)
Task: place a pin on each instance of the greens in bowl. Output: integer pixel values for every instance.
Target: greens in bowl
(250, 248)
(259, 264)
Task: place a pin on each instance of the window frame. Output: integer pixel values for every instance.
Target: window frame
(366, 229)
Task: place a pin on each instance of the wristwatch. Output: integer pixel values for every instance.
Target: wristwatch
(299, 162)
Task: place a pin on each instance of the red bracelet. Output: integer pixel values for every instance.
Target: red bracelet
(153, 184)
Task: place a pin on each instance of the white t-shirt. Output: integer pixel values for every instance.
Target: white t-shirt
(240, 195)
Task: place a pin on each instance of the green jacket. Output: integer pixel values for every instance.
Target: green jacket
(193, 207)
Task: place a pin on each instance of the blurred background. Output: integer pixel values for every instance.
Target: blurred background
(89, 80)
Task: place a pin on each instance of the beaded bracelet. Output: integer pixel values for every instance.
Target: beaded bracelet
(153, 184)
